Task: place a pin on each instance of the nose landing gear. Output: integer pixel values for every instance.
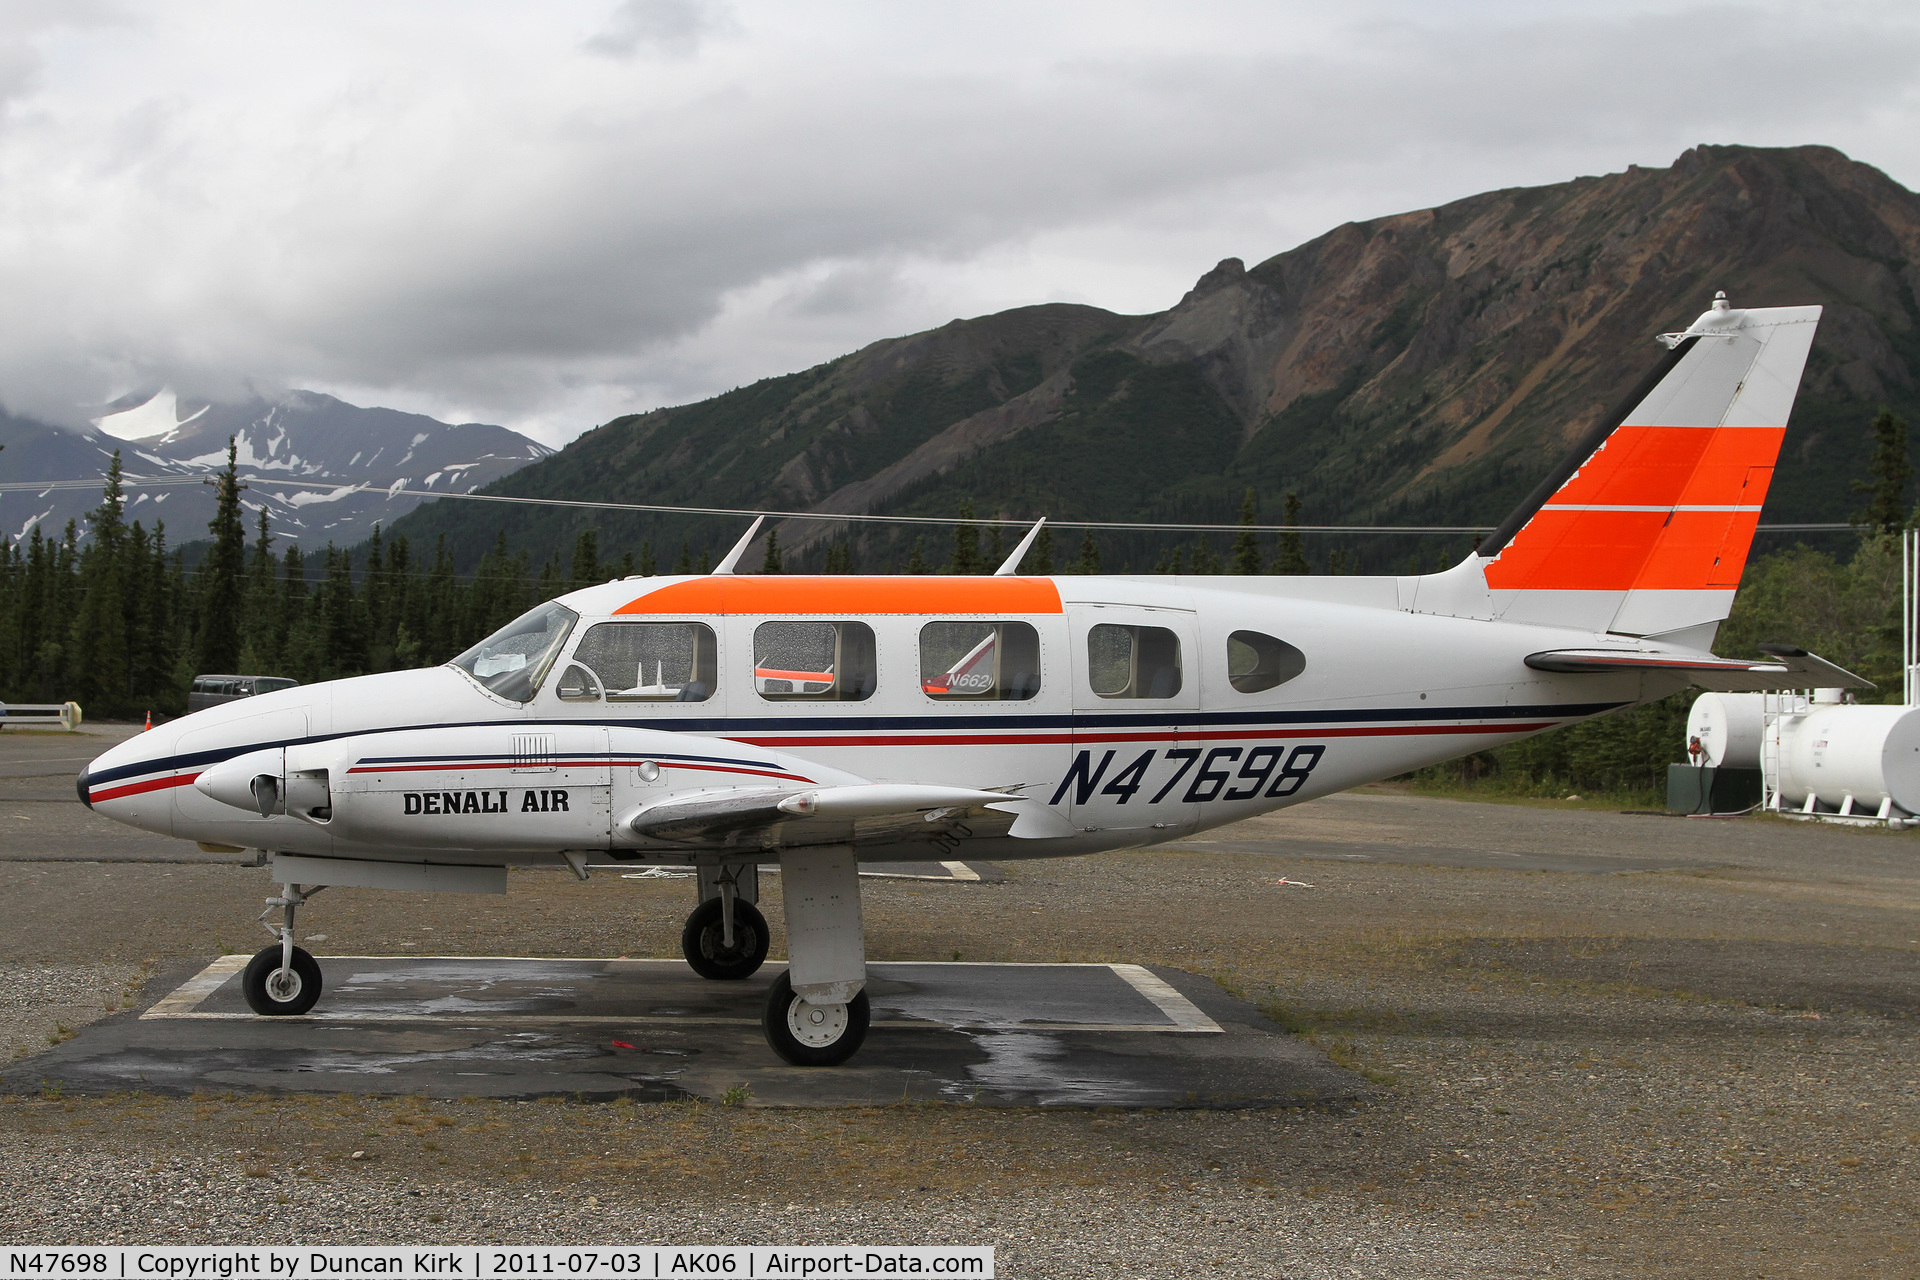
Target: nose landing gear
(282, 980)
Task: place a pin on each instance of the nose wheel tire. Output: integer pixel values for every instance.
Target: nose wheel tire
(278, 992)
(814, 1035)
(703, 941)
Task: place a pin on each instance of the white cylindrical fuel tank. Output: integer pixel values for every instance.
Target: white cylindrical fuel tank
(1870, 754)
(1728, 727)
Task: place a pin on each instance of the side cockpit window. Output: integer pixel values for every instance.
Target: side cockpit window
(980, 661)
(644, 662)
(1133, 662)
(576, 684)
(1257, 662)
(822, 661)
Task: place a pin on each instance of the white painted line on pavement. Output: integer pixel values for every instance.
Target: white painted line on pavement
(1185, 1014)
(187, 996)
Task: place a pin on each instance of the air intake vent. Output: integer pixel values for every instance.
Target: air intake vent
(533, 753)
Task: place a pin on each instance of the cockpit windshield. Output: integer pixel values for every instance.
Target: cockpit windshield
(514, 660)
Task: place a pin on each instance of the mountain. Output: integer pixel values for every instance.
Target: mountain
(392, 462)
(1426, 367)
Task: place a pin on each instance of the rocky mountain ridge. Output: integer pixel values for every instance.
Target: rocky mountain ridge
(1426, 367)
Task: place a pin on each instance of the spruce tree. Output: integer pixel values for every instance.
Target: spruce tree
(1089, 561)
(771, 564)
(586, 560)
(221, 588)
(996, 549)
(966, 542)
(648, 568)
(1041, 553)
(1886, 492)
(1246, 546)
(99, 654)
(260, 609)
(1293, 556)
(917, 562)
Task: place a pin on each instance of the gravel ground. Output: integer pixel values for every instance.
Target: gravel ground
(1706, 1071)
(43, 1004)
(109, 1197)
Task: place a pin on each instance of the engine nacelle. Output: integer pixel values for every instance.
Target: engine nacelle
(492, 789)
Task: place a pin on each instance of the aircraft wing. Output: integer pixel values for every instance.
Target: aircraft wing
(772, 818)
(1790, 667)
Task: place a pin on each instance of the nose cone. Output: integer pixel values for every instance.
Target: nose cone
(133, 782)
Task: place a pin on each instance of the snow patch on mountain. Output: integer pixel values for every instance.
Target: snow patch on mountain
(278, 442)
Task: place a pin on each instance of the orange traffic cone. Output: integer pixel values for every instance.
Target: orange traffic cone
(149, 721)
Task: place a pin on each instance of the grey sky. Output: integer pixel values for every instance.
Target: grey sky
(545, 215)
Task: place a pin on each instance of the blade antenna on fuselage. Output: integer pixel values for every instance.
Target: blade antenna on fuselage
(1012, 564)
(732, 557)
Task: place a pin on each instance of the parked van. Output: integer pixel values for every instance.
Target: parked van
(211, 691)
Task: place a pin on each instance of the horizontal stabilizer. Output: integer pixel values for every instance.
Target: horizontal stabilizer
(1791, 668)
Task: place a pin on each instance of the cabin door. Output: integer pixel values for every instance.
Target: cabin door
(1136, 694)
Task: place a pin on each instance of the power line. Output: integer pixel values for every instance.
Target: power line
(396, 490)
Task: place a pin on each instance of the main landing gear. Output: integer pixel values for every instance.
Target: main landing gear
(813, 1035)
(282, 979)
(725, 939)
(817, 1013)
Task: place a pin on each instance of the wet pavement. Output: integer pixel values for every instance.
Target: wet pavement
(447, 1027)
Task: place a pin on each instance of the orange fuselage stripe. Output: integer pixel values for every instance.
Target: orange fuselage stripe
(778, 594)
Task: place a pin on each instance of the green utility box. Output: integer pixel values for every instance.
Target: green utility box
(1708, 790)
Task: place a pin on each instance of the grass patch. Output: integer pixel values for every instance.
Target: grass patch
(1322, 1029)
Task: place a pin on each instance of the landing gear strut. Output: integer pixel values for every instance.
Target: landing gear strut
(282, 979)
(817, 1013)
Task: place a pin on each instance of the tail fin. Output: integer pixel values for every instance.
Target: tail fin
(1645, 528)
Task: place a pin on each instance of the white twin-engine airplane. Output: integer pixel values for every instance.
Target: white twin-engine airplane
(722, 722)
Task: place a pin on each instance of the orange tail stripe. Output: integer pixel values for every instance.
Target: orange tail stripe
(1638, 466)
(1578, 551)
(1722, 474)
(1699, 549)
(1565, 548)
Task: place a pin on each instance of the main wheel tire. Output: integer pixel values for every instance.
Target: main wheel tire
(702, 941)
(278, 992)
(809, 1035)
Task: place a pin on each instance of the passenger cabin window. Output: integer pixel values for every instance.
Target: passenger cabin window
(514, 660)
(1133, 662)
(822, 661)
(1257, 662)
(980, 661)
(650, 661)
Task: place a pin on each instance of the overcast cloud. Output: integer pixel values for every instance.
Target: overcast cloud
(546, 215)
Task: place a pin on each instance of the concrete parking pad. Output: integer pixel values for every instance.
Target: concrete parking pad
(1044, 1034)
